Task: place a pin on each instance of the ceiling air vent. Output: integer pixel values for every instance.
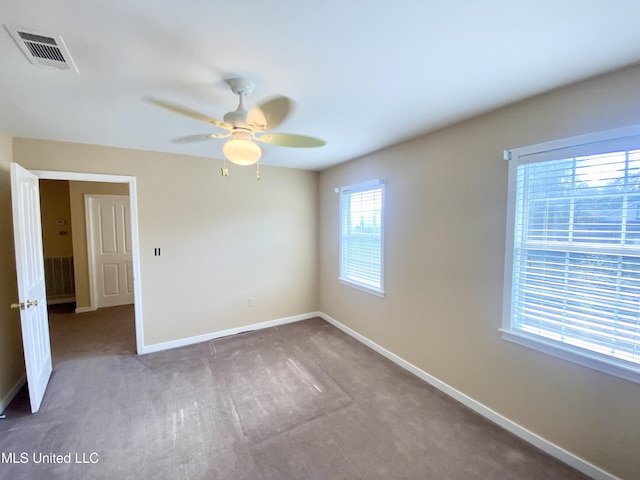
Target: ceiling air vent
(42, 49)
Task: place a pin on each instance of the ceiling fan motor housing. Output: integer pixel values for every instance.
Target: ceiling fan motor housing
(237, 118)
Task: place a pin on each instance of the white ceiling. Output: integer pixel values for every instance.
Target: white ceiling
(364, 74)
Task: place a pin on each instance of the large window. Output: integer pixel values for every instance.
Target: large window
(572, 285)
(361, 238)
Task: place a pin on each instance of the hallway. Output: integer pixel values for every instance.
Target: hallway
(105, 331)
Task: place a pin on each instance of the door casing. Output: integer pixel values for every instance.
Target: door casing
(135, 243)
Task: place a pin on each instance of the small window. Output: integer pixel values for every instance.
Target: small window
(361, 236)
(572, 275)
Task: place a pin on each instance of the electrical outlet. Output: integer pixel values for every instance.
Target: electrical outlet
(250, 302)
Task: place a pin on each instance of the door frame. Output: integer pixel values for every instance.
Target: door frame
(135, 242)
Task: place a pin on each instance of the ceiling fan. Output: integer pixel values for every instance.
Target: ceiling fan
(244, 127)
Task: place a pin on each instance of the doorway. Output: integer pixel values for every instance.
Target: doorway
(132, 220)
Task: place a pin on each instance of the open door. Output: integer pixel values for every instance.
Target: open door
(25, 197)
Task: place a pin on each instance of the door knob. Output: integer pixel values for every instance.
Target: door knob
(22, 305)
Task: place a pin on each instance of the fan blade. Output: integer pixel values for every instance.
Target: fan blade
(290, 140)
(200, 138)
(189, 113)
(269, 115)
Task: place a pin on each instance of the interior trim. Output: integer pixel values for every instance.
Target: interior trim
(135, 239)
(85, 309)
(182, 342)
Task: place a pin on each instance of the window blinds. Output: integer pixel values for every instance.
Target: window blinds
(361, 234)
(576, 252)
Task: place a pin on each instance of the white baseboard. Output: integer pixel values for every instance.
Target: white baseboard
(6, 400)
(158, 347)
(85, 309)
(552, 449)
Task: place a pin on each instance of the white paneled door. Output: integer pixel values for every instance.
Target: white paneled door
(32, 298)
(110, 259)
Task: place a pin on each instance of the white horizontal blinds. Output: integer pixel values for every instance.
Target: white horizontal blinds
(577, 252)
(362, 234)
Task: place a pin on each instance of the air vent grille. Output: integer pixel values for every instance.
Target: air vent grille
(41, 49)
(45, 51)
(36, 38)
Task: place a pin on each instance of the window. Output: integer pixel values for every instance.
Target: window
(361, 239)
(572, 276)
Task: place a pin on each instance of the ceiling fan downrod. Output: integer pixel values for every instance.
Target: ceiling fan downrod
(241, 87)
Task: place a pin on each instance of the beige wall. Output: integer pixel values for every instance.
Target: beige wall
(222, 239)
(11, 358)
(77, 191)
(444, 257)
(54, 206)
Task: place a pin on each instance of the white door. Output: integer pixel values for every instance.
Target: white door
(110, 258)
(32, 298)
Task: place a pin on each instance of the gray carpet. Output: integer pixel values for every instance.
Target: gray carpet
(301, 401)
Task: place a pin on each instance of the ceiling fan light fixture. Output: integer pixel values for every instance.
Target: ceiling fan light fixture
(241, 150)
(242, 126)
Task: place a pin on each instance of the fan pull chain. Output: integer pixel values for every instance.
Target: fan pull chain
(224, 170)
(258, 170)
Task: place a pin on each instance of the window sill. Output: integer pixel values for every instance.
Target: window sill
(586, 358)
(362, 288)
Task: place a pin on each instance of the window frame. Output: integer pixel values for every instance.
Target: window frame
(583, 145)
(355, 188)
